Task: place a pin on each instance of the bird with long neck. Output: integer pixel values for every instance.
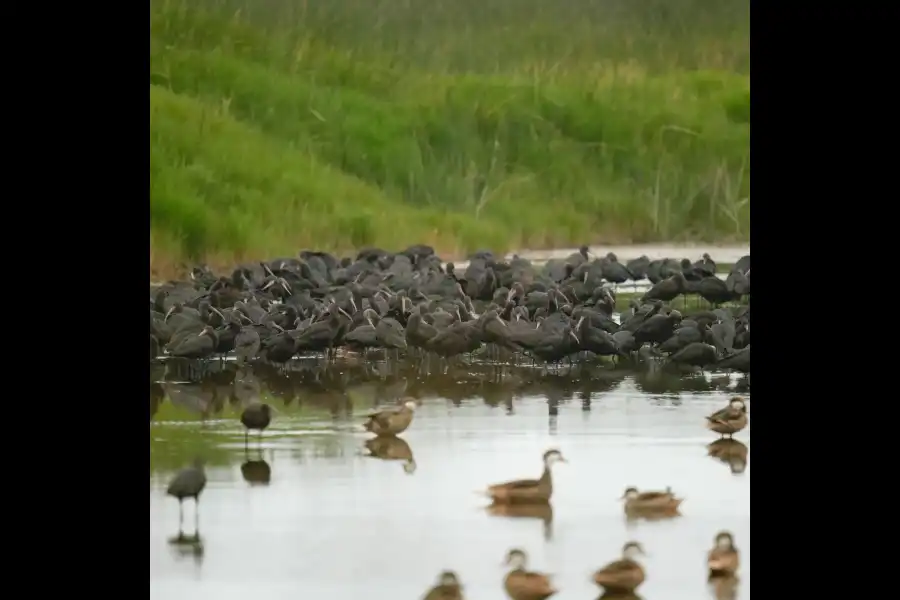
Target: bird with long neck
(528, 490)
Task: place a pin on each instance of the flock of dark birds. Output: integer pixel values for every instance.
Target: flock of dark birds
(410, 303)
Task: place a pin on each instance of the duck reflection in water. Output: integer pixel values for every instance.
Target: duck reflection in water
(543, 512)
(188, 545)
(619, 596)
(724, 587)
(731, 452)
(392, 448)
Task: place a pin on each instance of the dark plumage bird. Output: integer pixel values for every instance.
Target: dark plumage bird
(667, 289)
(201, 345)
(739, 361)
(188, 483)
(696, 354)
(246, 345)
(256, 416)
(713, 290)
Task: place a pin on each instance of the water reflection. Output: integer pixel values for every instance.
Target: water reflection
(188, 546)
(724, 587)
(730, 452)
(341, 497)
(256, 471)
(540, 511)
(392, 448)
(619, 596)
(346, 387)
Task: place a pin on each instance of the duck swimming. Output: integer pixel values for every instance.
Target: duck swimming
(528, 490)
(521, 584)
(623, 575)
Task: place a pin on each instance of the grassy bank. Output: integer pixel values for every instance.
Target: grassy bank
(501, 123)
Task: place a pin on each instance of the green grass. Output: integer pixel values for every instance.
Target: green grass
(501, 123)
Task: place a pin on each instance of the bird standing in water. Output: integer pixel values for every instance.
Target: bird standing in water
(188, 483)
(256, 416)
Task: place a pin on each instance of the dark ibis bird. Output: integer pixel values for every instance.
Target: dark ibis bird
(188, 483)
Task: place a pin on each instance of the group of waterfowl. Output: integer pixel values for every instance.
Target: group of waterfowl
(619, 578)
(410, 303)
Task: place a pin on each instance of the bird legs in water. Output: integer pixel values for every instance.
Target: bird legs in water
(181, 516)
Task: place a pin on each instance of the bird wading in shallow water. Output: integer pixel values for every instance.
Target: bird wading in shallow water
(188, 483)
(730, 419)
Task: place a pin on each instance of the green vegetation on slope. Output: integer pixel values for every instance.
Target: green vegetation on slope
(501, 123)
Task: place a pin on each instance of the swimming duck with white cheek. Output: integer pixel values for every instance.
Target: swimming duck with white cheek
(528, 490)
(447, 588)
(391, 421)
(521, 584)
(623, 575)
(723, 559)
(730, 419)
(665, 502)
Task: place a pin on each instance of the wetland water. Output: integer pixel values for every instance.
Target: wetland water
(302, 511)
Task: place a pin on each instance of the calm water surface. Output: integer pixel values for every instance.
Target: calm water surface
(304, 511)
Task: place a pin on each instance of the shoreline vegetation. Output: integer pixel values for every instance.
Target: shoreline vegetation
(502, 124)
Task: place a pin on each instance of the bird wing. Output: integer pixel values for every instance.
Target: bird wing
(518, 483)
(616, 567)
(653, 495)
(721, 415)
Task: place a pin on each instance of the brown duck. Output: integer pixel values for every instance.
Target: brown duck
(391, 421)
(663, 502)
(447, 588)
(521, 584)
(723, 558)
(528, 490)
(623, 575)
(730, 419)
